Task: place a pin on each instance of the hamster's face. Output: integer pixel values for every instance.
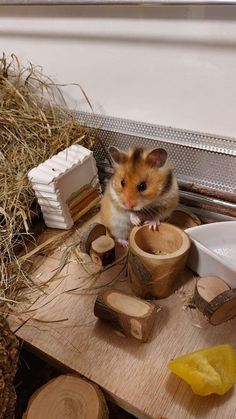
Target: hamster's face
(139, 178)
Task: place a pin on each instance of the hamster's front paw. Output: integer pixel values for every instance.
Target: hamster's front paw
(135, 220)
(123, 242)
(153, 224)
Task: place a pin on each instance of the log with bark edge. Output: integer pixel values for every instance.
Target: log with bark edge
(94, 231)
(102, 251)
(184, 219)
(215, 299)
(130, 315)
(67, 396)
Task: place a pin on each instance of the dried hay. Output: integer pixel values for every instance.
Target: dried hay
(34, 125)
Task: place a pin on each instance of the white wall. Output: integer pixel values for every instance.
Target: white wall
(171, 66)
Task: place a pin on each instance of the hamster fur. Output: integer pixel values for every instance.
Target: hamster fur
(142, 189)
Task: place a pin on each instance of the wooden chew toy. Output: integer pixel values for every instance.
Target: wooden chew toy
(130, 315)
(98, 245)
(102, 250)
(155, 260)
(67, 396)
(94, 231)
(184, 219)
(215, 299)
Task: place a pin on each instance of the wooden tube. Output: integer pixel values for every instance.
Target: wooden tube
(155, 260)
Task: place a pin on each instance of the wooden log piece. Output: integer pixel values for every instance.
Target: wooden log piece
(102, 251)
(215, 299)
(184, 219)
(130, 315)
(94, 231)
(67, 396)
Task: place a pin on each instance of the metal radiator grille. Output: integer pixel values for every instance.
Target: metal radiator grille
(199, 159)
(194, 165)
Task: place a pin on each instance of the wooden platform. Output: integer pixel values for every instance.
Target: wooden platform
(60, 325)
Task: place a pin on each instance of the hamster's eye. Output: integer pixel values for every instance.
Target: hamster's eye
(122, 183)
(142, 186)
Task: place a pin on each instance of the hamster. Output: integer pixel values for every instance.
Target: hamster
(143, 189)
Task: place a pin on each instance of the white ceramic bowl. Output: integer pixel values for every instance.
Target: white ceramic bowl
(213, 250)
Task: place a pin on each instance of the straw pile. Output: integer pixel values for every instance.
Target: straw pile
(34, 125)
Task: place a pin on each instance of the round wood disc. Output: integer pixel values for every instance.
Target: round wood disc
(67, 397)
(94, 231)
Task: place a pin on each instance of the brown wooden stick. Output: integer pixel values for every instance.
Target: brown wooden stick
(83, 203)
(80, 196)
(94, 231)
(215, 299)
(130, 315)
(67, 396)
(102, 251)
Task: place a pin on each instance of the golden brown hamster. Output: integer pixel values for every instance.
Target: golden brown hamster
(142, 189)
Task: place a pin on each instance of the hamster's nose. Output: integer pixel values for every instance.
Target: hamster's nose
(129, 203)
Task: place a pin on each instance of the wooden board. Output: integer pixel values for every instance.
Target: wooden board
(133, 374)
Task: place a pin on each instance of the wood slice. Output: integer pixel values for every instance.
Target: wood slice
(184, 219)
(215, 299)
(130, 315)
(67, 396)
(94, 231)
(102, 251)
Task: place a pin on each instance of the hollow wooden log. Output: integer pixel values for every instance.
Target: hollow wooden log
(215, 299)
(130, 315)
(94, 231)
(184, 219)
(156, 259)
(102, 251)
(67, 396)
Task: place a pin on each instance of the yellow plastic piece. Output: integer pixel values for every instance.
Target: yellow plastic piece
(210, 370)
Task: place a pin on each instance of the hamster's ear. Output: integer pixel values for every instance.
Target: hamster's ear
(117, 155)
(157, 157)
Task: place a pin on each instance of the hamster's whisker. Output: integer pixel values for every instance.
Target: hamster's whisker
(151, 211)
(148, 211)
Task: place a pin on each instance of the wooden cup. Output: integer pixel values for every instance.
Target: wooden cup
(155, 260)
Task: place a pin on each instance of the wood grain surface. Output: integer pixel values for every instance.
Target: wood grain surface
(62, 327)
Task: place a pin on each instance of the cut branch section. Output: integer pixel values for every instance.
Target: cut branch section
(130, 315)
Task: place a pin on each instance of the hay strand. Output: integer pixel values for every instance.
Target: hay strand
(34, 127)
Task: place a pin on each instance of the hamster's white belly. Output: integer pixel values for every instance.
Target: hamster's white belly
(120, 223)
